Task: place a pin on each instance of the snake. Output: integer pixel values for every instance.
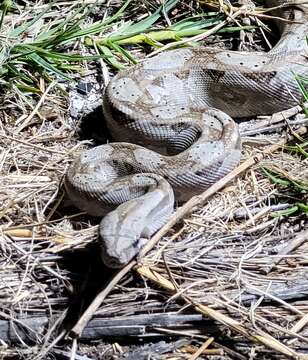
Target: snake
(172, 117)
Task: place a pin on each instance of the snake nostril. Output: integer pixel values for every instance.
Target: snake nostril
(199, 144)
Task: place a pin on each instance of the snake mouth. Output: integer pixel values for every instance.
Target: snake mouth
(116, 259)
(113, 263)
(110, 261)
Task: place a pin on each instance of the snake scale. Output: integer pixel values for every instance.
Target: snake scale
(172, 117)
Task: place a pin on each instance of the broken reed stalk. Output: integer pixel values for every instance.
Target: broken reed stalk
(177, 216)
(299, 240)
(203, 35)
(95, 304)
(203, 347)
(199, 200)
(157, 36)
(255, 335)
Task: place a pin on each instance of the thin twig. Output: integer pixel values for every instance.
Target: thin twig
(202, 36)
(199, 200)
(86, 316)
(299, 240)
(35, 110)
(178, 215)
(255, 335)
(200, 351)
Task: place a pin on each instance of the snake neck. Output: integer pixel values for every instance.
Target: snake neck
(292, 22)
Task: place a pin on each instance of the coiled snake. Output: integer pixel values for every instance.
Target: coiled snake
(180, 102)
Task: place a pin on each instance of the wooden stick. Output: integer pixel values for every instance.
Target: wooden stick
(255, 335)
(35, 110)
(201, 349)
(178, 215)
(86, 316)
(201, 199)
(202, 36)
(191, 349)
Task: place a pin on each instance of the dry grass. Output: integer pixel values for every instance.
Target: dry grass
(232, 256)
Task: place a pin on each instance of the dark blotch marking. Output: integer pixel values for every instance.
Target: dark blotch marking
(120, 118)
(264, 76)
(200, 173)
(156, 125)
(179, 127)
(291, 16)
(216, 75)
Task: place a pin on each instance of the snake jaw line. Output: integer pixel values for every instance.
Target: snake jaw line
(181, 101)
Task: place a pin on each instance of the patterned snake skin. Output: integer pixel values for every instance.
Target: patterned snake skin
(179, 103)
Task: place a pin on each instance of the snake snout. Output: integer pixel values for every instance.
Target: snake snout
(119, 257)
(119, 241)
(183, 102)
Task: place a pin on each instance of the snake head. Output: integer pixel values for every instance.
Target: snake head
(119, 260)
(124, 231)
(120, 240)
(115, 259)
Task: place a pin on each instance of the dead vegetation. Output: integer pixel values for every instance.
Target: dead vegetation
(227, 277)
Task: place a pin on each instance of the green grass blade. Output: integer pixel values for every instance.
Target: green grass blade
(99, 26)
(192, 23)
(109, 57)
(145, 24)
(275, 179)
(5, 6)
(298, 207)
(303, 207)
(41, 62)
(302, 82)
(25, 26)
(124, 52)
(278, 179)
(61, 27)
(15, 72)
(27, 88)
(286, 212)
(30, 48)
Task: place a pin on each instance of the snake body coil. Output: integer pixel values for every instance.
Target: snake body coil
(179, 103)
